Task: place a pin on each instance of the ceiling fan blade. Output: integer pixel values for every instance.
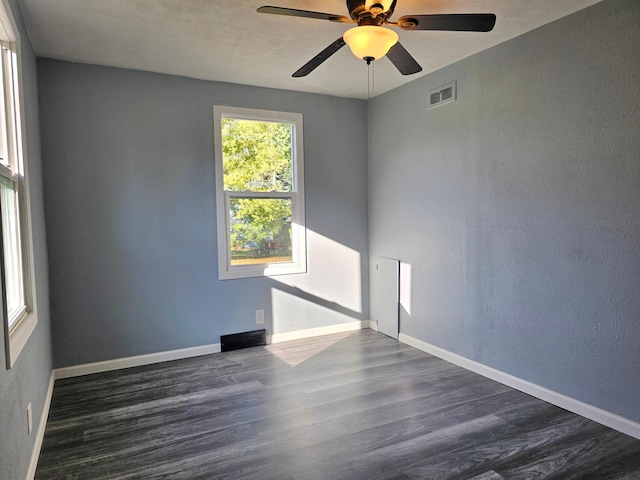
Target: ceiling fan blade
(312, 64)
(403, 60)
(292, 12)
(458, 22)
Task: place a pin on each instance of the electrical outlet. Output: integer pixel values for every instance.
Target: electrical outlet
(29, 418)
(259, 317)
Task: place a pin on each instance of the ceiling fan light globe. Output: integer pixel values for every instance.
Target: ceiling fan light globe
(370, 41)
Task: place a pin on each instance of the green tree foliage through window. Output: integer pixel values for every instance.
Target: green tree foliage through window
(257, 155)
(257, 158)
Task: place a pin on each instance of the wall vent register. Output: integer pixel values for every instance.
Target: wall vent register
(442, 95)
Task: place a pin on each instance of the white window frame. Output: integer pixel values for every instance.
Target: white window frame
(25, 323)
(298, 264)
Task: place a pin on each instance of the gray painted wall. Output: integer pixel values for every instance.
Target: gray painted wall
(29, 378)
(518, 206)
(130, 204)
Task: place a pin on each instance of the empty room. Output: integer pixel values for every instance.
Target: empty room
(320, 239)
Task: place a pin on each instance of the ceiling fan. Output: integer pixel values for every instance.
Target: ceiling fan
(369, 40)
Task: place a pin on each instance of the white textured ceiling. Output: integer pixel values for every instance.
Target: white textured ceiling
(227, 40)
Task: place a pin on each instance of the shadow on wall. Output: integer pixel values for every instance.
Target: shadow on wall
(331, 292)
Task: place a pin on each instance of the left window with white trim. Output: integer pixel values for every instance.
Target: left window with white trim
(16, 254)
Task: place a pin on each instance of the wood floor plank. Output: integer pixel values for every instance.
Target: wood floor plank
(490, 475)
(356, 405)
(569, 458)
(462, 463)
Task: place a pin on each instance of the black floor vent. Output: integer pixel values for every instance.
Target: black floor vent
(236, 341)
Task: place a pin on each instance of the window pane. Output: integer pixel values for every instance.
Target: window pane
(260, 230)
(12, 255)
(256, 155)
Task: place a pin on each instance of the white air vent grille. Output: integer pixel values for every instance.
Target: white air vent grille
(442, 95)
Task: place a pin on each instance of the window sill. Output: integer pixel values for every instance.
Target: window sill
(19, 337)
(264, 270)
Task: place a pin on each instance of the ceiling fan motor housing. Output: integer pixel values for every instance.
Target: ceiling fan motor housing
(359, 13)
(356, 8)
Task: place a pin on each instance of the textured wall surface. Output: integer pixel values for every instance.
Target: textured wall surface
(29, 378)
(131, 218)
(516, 209)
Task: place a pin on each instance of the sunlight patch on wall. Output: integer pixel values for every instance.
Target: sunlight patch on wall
(405, 286)
(295, 310)
(334, 273)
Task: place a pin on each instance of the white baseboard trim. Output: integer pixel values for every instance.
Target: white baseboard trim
(373, 325)
(42, 425)
(596, 414)
(119, 363)
(316, 332)
(136, 361)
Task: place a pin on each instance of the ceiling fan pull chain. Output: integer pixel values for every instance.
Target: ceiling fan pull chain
(368, 81)
(373, 76)
(371, 79)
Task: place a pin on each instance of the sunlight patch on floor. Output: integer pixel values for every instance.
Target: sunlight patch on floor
(294, 355)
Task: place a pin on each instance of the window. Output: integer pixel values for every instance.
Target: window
(259, 192)
(16, 256)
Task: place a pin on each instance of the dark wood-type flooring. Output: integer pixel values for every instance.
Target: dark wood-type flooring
(346, 406)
